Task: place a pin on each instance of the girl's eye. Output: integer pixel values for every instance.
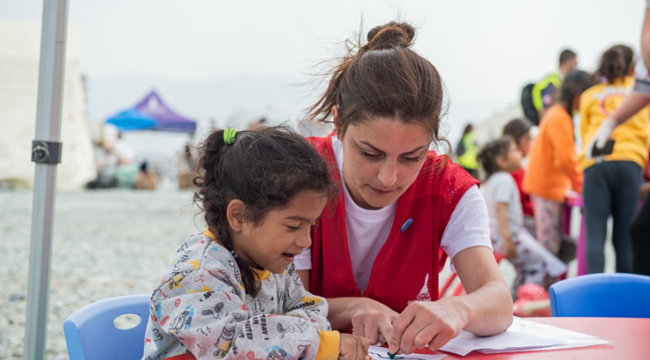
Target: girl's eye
(293, 228)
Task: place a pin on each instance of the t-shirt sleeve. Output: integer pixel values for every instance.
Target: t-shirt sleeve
(303, 260)
(468, 225)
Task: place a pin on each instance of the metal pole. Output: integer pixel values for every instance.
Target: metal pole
(48, 129)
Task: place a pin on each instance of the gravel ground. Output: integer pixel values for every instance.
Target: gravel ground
(106, 243)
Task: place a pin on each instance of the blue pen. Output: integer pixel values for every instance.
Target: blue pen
(406, 226)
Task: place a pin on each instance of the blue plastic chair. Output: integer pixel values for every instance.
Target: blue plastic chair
(90, 333)
(601, 295)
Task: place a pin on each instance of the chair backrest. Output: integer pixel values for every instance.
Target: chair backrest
(601, 295)
(90, 333)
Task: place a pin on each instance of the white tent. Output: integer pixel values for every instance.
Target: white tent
(19, 64)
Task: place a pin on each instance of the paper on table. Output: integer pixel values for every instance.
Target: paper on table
(507, 341)
(572, 339)
(522, 335)
(382, 353)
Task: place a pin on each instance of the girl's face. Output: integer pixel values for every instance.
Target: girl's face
(382, 159)
(512, 161)
(282, 235)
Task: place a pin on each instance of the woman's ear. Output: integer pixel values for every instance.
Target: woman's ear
(335, 119)
(235, 213)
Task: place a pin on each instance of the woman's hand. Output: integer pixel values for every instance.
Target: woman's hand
(367, 317)
(427, 324)
(353, 348)
(371, 318)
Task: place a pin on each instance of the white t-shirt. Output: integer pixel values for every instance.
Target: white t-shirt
(501, 188)
(368, 230)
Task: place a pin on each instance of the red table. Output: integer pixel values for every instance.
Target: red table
(630, 340)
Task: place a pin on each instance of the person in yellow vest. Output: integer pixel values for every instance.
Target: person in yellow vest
(612, 182)
(544, 92)
(467, 150)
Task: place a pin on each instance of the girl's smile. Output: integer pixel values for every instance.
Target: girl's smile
(282, 234)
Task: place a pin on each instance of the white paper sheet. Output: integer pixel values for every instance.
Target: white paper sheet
(382, 353)
(571, 338)
(507, 341)
(522, 335)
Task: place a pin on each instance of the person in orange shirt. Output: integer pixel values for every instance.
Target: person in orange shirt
(553, 167)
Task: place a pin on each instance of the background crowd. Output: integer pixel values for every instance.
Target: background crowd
(568, 109)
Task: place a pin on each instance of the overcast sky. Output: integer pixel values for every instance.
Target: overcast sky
(485, 50)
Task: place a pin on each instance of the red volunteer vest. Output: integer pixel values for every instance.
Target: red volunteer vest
(407, 266)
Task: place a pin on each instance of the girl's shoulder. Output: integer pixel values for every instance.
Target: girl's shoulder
(201, 255)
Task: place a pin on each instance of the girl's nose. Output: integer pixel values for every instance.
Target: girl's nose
(304, 240)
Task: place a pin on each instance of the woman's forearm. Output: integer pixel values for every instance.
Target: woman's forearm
(488, 309)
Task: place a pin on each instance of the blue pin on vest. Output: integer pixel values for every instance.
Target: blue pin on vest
(406, 225)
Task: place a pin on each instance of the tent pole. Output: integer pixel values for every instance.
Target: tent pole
(48, 129)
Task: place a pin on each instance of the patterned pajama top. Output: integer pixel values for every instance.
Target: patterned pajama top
(200, 306)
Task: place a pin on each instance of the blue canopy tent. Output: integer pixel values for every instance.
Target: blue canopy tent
(151, 114)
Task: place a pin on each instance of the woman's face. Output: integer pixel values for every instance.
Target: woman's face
(382, 158)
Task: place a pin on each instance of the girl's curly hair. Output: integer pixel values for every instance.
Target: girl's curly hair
(264, 168)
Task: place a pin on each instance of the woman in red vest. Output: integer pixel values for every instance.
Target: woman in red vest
(376, 249)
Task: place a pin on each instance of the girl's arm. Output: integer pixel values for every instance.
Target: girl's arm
(504, 229)
(297, 301)
(367, 317)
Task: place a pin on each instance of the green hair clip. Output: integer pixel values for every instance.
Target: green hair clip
(229, 135)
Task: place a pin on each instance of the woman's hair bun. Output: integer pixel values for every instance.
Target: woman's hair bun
(391, 35)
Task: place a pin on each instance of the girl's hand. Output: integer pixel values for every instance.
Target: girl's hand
(353, 348)
(371, 319)
(427, 324)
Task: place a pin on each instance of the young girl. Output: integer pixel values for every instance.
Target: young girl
(612, 183)
(500, 158)
(519, 130)
(232, 291)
